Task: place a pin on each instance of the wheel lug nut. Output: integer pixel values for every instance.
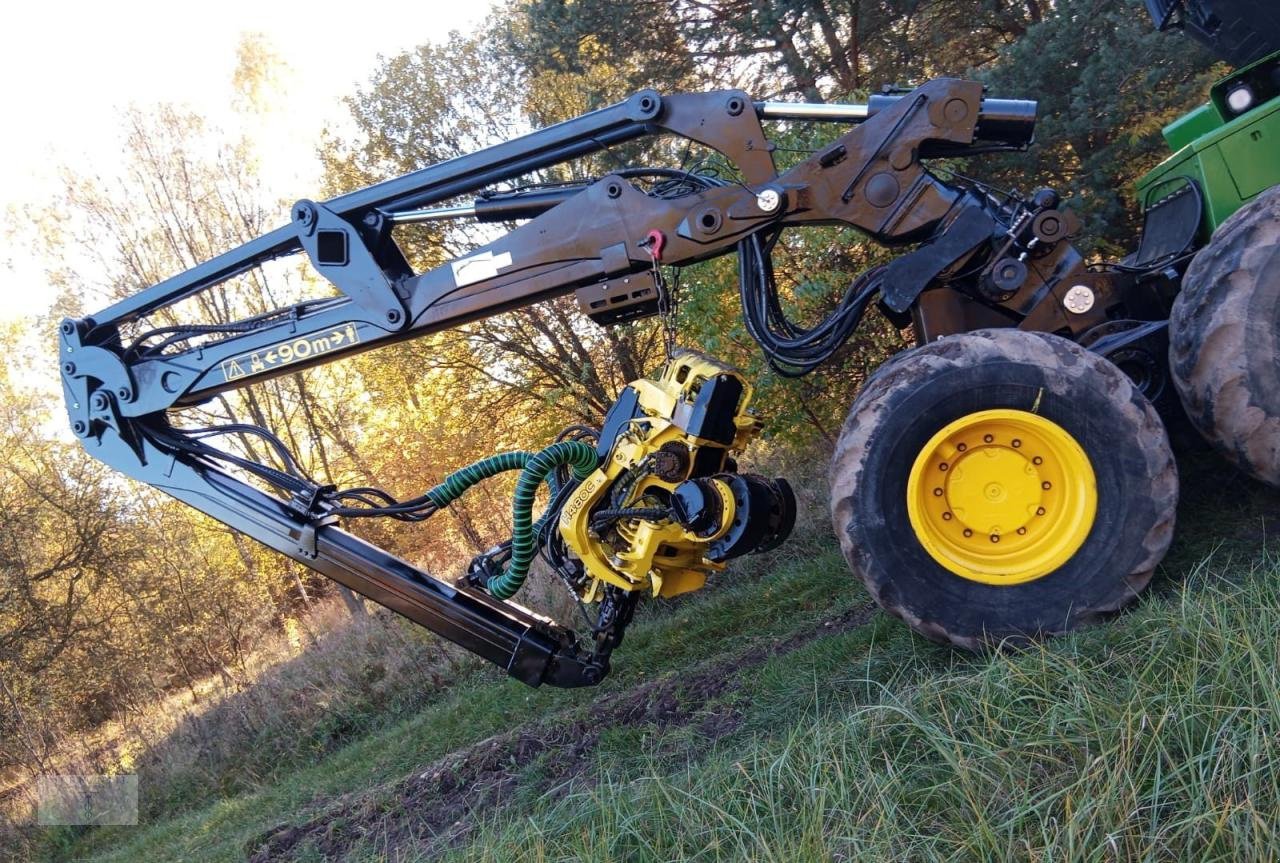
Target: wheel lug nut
(1022, 531)
(1016, 443)
(968, 532)
(937, 492)
(995, 537)
(988, 438)
(1039, 510)
(946, 516)
(962, 446)
(1037, 460)
(942, 466)
(1046, 485)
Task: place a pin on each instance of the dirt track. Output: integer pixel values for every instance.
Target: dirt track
(480, 777)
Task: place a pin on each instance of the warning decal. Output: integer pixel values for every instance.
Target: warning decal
(291, 351)
(477, 268)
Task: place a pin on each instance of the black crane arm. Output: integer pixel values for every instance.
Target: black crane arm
(119, 395)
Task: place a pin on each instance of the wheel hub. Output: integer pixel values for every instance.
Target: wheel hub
(1002, 496)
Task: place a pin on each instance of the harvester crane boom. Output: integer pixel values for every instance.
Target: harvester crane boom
(120, 391)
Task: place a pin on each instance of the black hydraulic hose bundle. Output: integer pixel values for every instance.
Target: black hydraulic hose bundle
(792, 350)
(578, 457)
(605, 517)
(535, 468)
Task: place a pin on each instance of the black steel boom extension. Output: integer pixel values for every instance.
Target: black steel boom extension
(117, 399)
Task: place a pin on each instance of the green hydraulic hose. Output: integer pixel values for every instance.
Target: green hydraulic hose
(453, 485)
(582, 459)
(535, 468)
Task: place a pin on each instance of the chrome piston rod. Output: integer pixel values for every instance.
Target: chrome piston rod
(1011, 121)
(833, 111)
(436, 214)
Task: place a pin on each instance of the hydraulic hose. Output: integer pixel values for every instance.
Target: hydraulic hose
(535, 468)
(582, 459)
(453, 485)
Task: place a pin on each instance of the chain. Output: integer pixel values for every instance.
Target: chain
(668, 307)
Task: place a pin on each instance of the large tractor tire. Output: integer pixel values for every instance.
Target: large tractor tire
(1224, 338)
(1001, 486)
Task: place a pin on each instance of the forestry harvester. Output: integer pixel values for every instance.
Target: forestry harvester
(1007, 478)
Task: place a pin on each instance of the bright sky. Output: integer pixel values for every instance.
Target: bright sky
(69, 66)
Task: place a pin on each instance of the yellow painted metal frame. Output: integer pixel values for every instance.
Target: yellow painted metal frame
(661, 557)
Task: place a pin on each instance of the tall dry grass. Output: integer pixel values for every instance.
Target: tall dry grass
(322, 681)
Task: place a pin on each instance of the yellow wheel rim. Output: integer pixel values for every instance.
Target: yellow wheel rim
(1002, 496)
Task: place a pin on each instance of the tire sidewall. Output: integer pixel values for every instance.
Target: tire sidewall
(1092, 401)
(1224, 338)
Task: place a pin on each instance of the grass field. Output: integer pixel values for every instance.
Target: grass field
(780, 717)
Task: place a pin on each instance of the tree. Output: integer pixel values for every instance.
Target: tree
(67, 532)
(112, 595)
(814, 49)
(546, 362)
(1106, 82)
